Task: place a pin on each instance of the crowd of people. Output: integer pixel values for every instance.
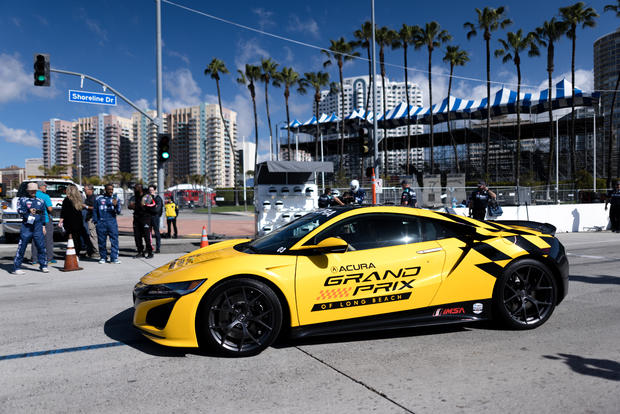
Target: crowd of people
(91, 221)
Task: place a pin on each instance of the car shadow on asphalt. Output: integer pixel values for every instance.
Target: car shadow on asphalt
(600, 368)
(596, 279)
(120, 328)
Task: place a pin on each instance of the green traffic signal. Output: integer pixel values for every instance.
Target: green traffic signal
(41, 69)
(165, 155)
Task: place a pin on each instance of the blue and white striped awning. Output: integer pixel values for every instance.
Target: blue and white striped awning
(504, 102)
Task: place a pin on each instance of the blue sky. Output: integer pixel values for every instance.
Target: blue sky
(114, 40)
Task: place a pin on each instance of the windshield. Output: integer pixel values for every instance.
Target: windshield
(54, 189)
(284, 237)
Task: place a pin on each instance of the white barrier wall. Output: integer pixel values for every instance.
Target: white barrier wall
(565, 217)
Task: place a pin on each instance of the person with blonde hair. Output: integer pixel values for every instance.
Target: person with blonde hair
(71, 218)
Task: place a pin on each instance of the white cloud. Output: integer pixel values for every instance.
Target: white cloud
(181, 88)
(289, 58)
(19, 136)
(94, 27)
(126, 111)
(16, 83)
(310, 26)
(249, 51)
(584, 79)
(179, 55)
(264, 18)
(16, 21)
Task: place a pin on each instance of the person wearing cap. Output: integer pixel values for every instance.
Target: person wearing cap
(408, 198)
(32, 211)
(479, 201)
(613, 198)
(327, 199)
(49, 225)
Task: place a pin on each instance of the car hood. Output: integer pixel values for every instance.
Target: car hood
(191, 265)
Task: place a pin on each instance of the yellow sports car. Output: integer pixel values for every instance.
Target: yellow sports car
(354, 269)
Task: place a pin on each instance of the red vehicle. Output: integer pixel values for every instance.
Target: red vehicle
(190, 198)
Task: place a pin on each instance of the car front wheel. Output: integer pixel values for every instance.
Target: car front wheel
(525, 295)
(241, 317)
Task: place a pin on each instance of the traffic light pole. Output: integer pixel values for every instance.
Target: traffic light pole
(159, 120)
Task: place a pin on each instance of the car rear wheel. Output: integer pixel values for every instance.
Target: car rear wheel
(525, 295)
(241, 317)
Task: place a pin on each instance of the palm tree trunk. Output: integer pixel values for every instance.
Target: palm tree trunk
(430, 104)
(385, 153)
(552, 137)
(288, 123)
(611, 133)
(408, 112)
(230, 142)
(518, 168)
(268, 119)
(456, 155)
(371, 78)
(573, 161)
(342, 119)
(255, 136)
(488, 137)
(316, 140)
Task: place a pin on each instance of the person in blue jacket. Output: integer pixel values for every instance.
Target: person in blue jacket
(32, 210)
(106, 209)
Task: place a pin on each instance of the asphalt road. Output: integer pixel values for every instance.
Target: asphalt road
(67, 346)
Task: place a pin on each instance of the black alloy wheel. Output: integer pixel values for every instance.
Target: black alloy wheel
(525, 296)
(241, 317)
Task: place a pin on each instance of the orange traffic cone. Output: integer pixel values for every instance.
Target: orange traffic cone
(204, 241)
(71, 260)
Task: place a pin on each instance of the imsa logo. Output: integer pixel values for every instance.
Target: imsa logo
(448, 311)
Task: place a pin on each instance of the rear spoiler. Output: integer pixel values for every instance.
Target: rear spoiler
(544, 228)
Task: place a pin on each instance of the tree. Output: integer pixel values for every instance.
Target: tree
(289, 78)
(213, 70)
(575, 15)
(248, 77)
(547, 36)
(124, 178)
(317, 80)
(512, 47)
(269, 69)
(384, 37)
(488, 21)
(406, 37)
(454, 56)
(431, 36)
(364, 37)
(340, 51)
(55, 170)
(615, 8)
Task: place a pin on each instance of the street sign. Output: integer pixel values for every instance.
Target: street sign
(92, 97)
(379, 185)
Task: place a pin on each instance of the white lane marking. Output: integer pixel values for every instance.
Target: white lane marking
(585, 256)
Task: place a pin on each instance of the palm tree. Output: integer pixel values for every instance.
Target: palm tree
(406, 37)
(616, 9)
(340, 51)
(573, 16)
(384, 37)
(269, 69)
(317, 80)
(124, 178)
(547, 35)
(213, 70)
(364, 37)
(512, 47)
(455, 56)
(431, 36)
(248, 77)
(489, 20)
(289, 78)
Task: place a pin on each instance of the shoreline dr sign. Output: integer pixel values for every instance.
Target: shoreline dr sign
(92, 97)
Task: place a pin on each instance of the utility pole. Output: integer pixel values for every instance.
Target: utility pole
(159, 122)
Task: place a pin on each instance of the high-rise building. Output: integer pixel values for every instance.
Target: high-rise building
(99, 139)
(58, 144)
(606, 70)
(200, 146)
(143, 157)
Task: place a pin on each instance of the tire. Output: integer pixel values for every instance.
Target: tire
(525, 295)
(240, 317)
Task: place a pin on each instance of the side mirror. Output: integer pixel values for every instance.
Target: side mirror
(329, 245)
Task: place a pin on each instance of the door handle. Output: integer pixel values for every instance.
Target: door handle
(436, 249)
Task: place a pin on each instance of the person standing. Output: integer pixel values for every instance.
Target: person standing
(107, 207)
(32, 210)
(356, 195)
(614, 212)
(89, 220)
(156, 216)
(49, 225)
(479, 201)
(328, 200)
(408, 198)
(172, 211)
(71, 218)
(141, 204)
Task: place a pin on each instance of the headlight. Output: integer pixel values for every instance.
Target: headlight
(143, 291)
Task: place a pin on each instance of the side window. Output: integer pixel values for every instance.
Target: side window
(435, 230)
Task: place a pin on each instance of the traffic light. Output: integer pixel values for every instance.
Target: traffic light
(364, 141)
(163, 148)
(41, 69)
